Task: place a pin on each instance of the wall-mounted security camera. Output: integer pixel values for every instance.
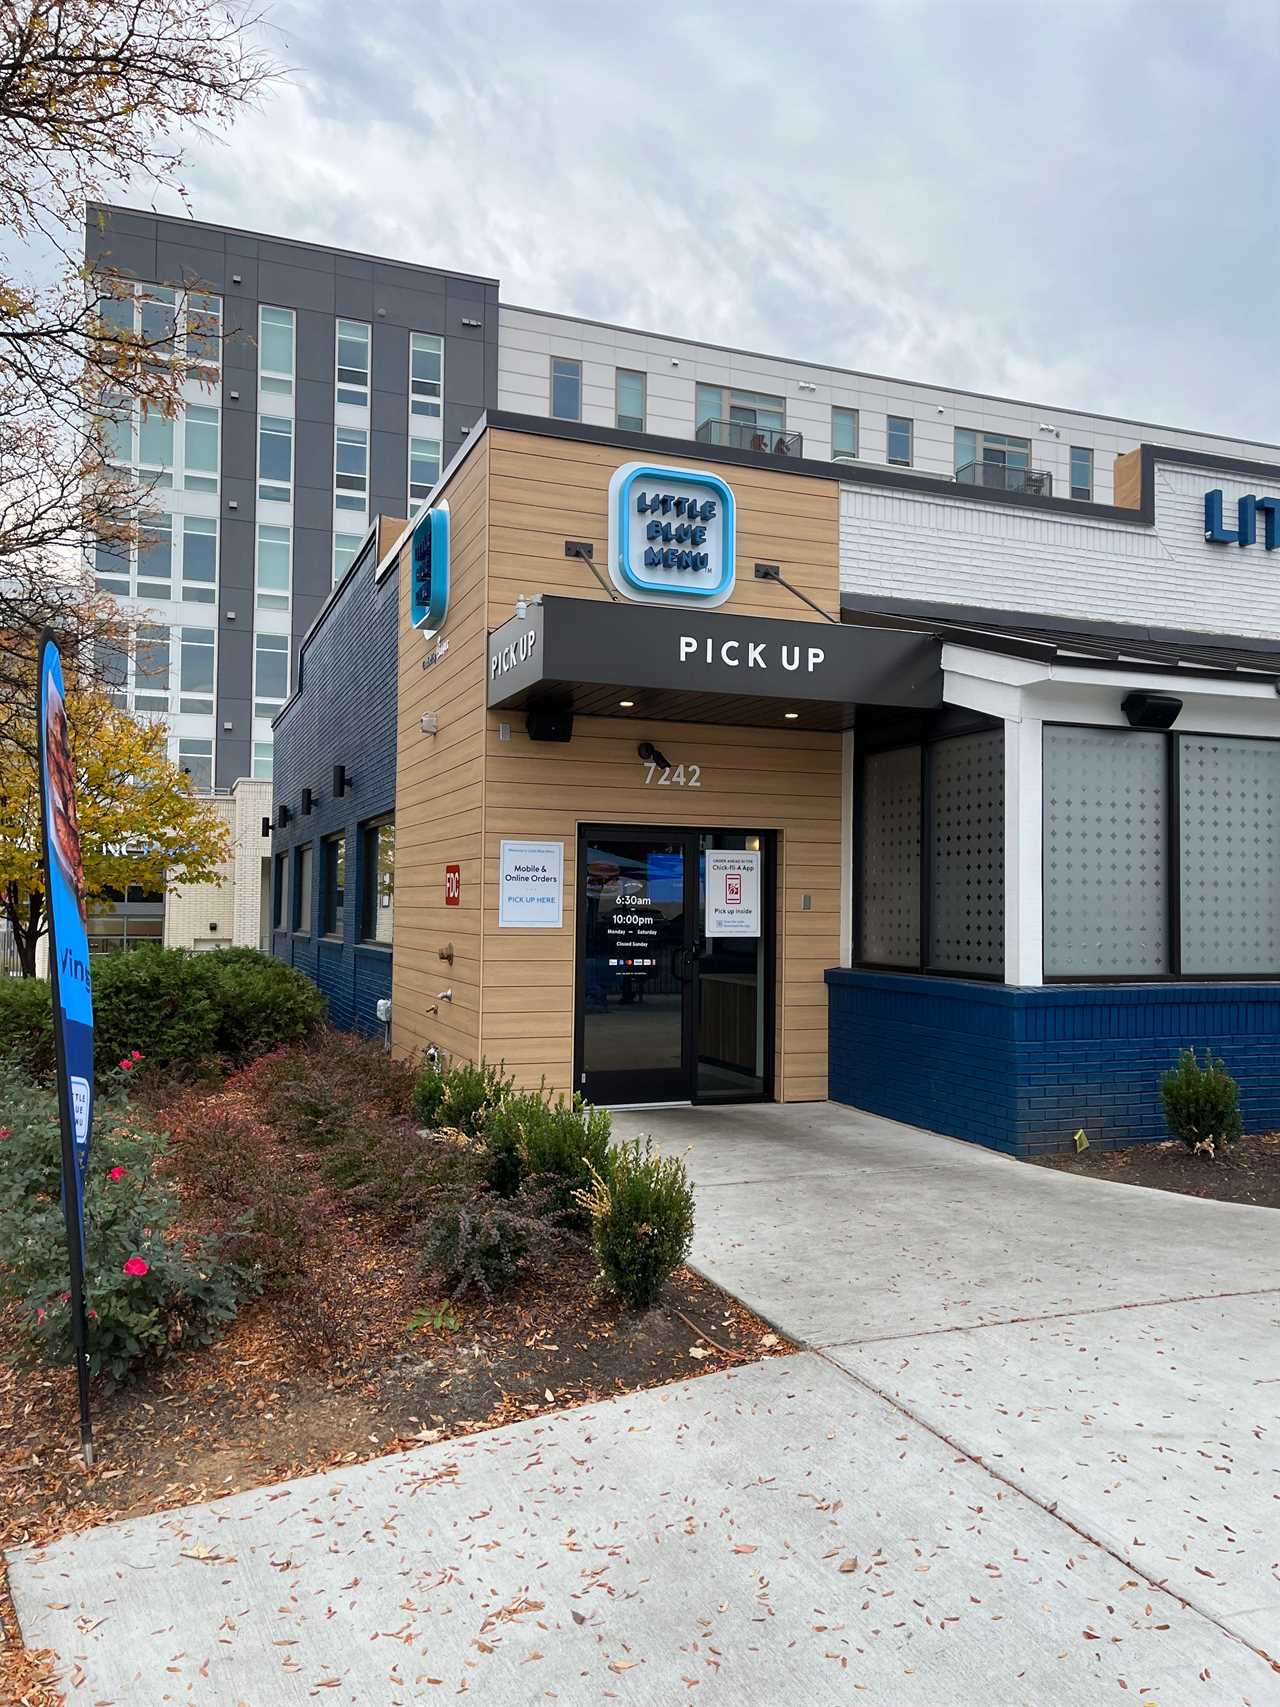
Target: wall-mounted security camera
(651, 756)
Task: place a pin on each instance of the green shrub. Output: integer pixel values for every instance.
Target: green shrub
(1201, 1103)
(558, 1146)
(428, 1093)
(481, 1245)
(641, 1212)
(26, 1030)
(149, 1288)
(471, 1090)
(504, 1133)
(184, 1012)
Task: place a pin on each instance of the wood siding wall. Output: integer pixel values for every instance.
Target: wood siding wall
(513, 503)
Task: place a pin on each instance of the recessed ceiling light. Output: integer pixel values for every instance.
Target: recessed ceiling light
(626, 704)
(791, 714)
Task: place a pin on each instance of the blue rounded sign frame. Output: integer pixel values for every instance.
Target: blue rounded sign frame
(429, 568)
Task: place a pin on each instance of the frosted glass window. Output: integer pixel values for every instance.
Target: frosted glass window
(966, 868)
(1229, 827)
(891, 858)
(1106, 877)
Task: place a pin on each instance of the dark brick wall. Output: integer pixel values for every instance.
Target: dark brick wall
(344, 712)
(1022, 1070)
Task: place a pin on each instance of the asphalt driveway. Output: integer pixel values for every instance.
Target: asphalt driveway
(1031, 1456)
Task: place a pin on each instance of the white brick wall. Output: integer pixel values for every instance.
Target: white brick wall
(527, 339)
(233, 902)
(902, 545)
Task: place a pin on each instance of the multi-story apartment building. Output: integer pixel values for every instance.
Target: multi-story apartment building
(344, 384)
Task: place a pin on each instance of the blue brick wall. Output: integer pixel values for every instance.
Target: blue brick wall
(1023, 1069)
(343, 712)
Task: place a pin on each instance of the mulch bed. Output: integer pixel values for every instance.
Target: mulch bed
(1246, 1172)
(334, 1377)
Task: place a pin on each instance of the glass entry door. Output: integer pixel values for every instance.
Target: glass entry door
(668, 1011)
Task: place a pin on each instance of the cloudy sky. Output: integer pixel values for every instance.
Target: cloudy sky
(1071, 202)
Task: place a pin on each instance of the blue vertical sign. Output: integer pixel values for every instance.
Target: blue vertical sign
(69, 973)
(429, 568)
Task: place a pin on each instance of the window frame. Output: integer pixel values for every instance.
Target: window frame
(271, 598)
(845, 409)
(274, 496)
(208, 701)
(278, 381)
(907, 421)
(258, 774)
(303, 898)
(1173, 864)
(201, 741)
(368, 881)
(1085, 495)
(925, 734)
(623, 420)
(333, 859)
(359, 389)
(433, 402)
(191, 591)
(416, 502)
(566, 361)
(260, 700)
(351, 498)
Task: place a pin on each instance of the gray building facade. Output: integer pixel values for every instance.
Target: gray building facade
(344, 384)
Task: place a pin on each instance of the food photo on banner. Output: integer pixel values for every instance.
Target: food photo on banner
(69, 974)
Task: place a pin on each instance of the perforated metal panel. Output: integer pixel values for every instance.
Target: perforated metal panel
(1229, 829)
(1106, 883)
(966, 872)
(891, 858)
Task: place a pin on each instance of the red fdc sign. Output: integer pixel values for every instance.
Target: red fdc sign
(453, 885)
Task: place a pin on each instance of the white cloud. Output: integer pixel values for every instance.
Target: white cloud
(1070, 204)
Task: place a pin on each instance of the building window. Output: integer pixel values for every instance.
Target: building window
(898, 447)
(424, 470)
(275, 350)
(377, 912)
(931, 856)
(302, 889)
(275, 458)
(749, 408)
(1081, 472)
(426, 378)
(273, 574)
(200, 449)
(155, 558)
(566, 389)
(844, 432)
(351, 468)
(155, 447)
(345, 547)
(270, 673)
(202, 317)
(629, 399)
(1229, 855)
(195, 757)
(353, 363)
(199, 559)
(262, 766)
(279, 891)
(151, 655)
(333, 884)
(998, 449)
(195, 681)
(174, 322)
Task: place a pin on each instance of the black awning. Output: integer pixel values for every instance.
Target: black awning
(591, 656)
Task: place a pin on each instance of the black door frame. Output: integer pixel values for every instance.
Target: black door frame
(687, 836)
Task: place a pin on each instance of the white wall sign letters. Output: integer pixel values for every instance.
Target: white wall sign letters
(671, 535)
(531, 884)
(733, 893)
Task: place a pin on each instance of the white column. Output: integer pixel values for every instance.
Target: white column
(1023, 851)
(846, 848)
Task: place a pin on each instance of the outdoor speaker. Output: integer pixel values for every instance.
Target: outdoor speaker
(1151, 710)
(282, 815)
(306, 803)
(550, 725)
(339, 781)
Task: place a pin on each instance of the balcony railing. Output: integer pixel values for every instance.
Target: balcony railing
(746, 435)
(1000, 477)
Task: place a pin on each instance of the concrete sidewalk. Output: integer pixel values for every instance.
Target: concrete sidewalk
(777, 1534)
(1111, 1352)
(1032, 1457)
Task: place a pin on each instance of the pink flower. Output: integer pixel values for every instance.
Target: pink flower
(137, 1266)
(116, 1173)
(93, 1315)
(64, 1297)
(135, 1054)
(5, 1132)
(40, 1315)
(126, 1064)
